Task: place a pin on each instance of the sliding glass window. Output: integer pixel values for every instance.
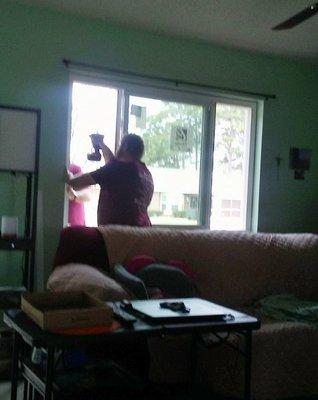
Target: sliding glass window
(199, 148)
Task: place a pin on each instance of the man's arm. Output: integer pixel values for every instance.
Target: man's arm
(107, 153)
(81, 182)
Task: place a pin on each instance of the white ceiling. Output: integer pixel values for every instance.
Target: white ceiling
(244, 24)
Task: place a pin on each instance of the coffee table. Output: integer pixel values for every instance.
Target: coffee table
(27, 332)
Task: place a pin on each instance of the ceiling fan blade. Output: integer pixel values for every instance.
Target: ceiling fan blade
(298, 18)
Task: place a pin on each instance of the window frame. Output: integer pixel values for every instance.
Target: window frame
(250, 170)
(208, 99)
(197, 100)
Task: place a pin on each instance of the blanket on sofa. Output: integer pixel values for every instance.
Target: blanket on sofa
(287, 307)
(233, 268)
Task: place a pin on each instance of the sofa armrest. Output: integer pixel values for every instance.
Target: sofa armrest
(129, 281)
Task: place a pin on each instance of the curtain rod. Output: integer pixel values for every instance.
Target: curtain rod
(177, 83)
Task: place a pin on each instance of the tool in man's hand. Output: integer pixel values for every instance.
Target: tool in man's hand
(95, 155)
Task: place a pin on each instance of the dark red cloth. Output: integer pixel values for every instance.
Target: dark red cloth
(136, 263)
(126, 192)
(82, 244)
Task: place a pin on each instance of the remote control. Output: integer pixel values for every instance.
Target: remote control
(123, 316)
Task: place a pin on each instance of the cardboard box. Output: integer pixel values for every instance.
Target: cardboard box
(76, 309)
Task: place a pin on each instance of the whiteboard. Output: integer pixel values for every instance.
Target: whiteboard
(18, 139)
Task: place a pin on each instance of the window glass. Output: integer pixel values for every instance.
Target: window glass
(230, 167)
(94, 110)
(172, 133)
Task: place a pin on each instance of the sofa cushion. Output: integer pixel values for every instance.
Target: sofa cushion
(76, 276)
(284, 363)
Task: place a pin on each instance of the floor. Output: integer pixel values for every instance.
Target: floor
(5, 391)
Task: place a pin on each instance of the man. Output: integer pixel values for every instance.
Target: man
(126, 184)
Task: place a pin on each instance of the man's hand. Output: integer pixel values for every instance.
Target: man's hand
(71, 193)
(99, 140)
(67, 176)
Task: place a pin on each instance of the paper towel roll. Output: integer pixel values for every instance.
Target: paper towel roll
(9, 226)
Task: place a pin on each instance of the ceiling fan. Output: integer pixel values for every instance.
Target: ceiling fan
(297, 18)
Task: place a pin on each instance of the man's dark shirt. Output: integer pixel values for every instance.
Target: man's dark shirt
(126, 192)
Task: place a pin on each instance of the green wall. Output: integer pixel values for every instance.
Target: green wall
(12, 201)
(34, 41)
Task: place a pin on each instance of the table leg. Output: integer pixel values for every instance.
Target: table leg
(31, 392)
(15, 365)
(193, 359)
(25, 389)
(49, 373)
(192, 380)
(248, 362)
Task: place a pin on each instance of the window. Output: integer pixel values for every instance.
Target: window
(231, 162)
(94, 109)
(172, 133)
(199, 148)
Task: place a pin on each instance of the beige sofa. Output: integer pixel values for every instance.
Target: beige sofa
(236, 269)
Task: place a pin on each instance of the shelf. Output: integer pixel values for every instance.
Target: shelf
(89, 381)
(10, 296)
(5, 290)
(16, 244)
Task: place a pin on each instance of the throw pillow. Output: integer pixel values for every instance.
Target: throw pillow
(74, 276)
